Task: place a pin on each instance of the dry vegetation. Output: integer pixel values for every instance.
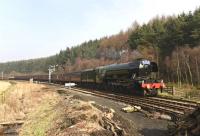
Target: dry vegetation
(185, 91)
(86, 118)
(4, 85)
(188, 125)
(20, 99)
(47, 111)
(72, 116)
(41, 119)
(78, 118)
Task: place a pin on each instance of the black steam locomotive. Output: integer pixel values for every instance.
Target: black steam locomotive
(135, 77)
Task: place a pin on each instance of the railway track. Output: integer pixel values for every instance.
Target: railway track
(175, 108)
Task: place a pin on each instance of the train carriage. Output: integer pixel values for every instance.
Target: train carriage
(75, 77)
(129, 78)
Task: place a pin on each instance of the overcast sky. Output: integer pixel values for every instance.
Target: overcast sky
(38, 28)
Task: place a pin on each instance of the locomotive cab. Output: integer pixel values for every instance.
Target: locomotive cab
(154, 67)
(144, 68)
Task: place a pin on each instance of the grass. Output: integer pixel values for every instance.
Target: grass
(45, 112)
(4, 86)
(186, 91)
(39, 121)
(20, 99)
(29, 102)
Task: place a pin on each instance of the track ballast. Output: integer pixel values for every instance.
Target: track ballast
(173, 107)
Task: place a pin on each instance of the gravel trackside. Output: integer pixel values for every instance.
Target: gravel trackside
(144, 126)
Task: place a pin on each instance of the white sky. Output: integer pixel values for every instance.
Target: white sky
(38, 28)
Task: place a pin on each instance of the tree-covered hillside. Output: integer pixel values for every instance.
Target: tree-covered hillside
(175, 44)
(172, 41)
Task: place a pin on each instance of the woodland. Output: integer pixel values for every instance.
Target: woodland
(171, 41)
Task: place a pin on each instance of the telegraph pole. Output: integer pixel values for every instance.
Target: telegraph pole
(2, 75)
(51, 70)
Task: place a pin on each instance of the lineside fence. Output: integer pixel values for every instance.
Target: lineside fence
(169, 89)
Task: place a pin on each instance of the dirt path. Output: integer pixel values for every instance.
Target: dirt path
(144, 125)
(84, 117)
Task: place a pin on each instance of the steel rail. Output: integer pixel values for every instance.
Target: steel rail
(173, 107)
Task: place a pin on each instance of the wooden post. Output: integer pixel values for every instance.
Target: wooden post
(186, 132)
(1, 98)
(173, 90)
(2, 75)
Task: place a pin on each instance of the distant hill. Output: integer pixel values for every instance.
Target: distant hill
(172, 41)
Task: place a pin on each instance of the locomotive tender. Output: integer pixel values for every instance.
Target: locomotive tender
(128, 78)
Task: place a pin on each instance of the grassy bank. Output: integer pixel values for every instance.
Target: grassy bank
(184, 91)
(19, 99)
(39, 121)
